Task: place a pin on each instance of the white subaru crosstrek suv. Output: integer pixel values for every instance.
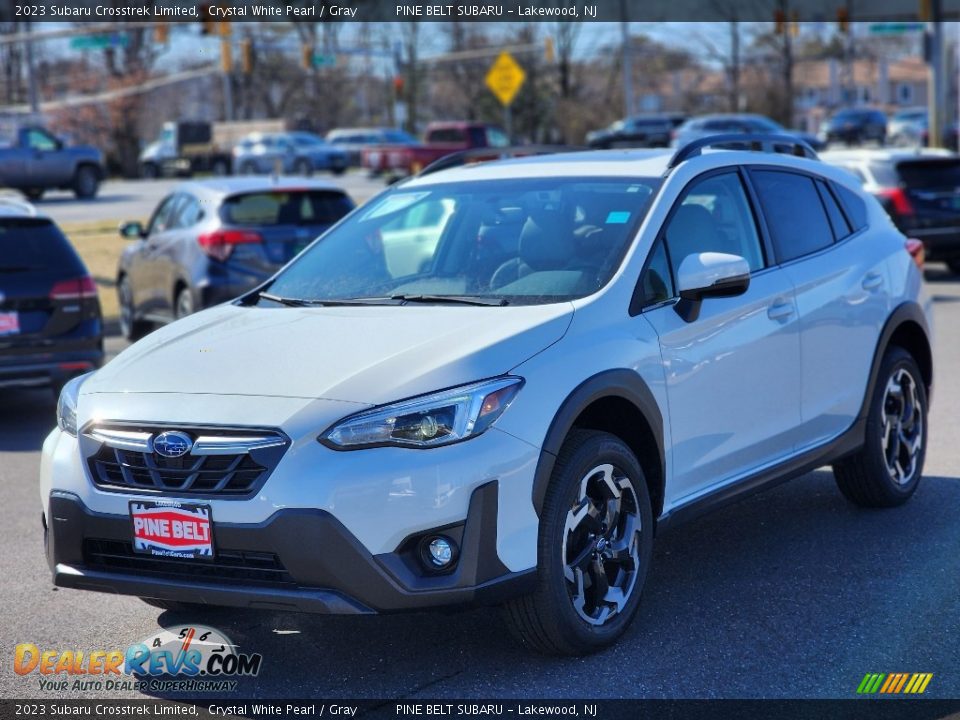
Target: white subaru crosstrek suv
(495, 383)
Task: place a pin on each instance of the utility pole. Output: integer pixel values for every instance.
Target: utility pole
(627, 60)
(32, 74)
(937, 90)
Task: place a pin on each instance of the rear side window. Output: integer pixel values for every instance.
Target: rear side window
(34, 244)
(794, 213)
(854, 205)
(316, 207)
(838, 222)
(930, 174)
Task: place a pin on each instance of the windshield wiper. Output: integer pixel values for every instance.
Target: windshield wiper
(290, 302)
(452, 299)
(303, 302)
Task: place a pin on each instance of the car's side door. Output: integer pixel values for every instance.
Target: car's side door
(46, 166)
(171, 254)
(732, 374)
(147, 280)
(843, 293)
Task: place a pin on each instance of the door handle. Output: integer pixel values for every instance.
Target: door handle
(780, 310)
(872, 281)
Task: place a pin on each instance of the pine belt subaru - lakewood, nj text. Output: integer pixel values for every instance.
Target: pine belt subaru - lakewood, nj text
(495, 383)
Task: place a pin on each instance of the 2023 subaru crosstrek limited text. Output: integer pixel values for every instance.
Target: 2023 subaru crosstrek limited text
(493, 384)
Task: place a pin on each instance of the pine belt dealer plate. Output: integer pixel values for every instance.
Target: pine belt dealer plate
(171, 529)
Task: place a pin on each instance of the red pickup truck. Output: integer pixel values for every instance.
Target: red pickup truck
(439, 140)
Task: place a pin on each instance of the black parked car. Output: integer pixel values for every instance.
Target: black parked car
(855, 126)
(212, 240)
(639, 131)
(50, 323)
(920, 189)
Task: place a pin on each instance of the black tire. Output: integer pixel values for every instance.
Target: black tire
(183, 303)
(220, 168)
(86, 182)
(338, 170)
(954, 265)
(131, 328)
(882, 474)
(149, 171)
(33, 194)
(555, 619)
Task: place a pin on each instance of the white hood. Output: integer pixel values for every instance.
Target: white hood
(369, 354)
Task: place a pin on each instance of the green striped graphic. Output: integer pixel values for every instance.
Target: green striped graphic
(871, 683)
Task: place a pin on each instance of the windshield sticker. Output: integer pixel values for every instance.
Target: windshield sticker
(618, 217)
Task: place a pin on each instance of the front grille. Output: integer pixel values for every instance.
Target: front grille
(227, 566)
(228, 474)
(221, 462)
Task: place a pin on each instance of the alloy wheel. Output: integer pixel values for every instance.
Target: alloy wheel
(902, 426)
(601, 545)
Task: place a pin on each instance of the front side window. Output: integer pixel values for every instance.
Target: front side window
(714, 216)
(39, 140)
(523, 241)
(795, 216)
(164, 216)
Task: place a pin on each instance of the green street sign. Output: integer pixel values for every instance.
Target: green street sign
(324, 61)
(896, 28)
(99, 42)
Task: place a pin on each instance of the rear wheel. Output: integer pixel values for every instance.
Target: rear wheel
(131, 328)
(33, 194)
(86, 182)
(885, 472)
(595, 541)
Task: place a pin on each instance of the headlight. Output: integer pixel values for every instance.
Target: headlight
(67, 404)
(430, 420)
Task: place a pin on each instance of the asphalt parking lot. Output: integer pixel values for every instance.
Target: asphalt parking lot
(790, 594)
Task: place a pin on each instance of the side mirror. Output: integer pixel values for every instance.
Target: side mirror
(132, 230)
(707, 275)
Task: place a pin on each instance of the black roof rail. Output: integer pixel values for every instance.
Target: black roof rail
(744, 141)
(477, 155)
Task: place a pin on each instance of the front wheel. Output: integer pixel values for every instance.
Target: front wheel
(131, 328)
(594, 547)
(885, 472)
(183, 304)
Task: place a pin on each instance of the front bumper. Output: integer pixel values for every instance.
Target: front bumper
(318, 566)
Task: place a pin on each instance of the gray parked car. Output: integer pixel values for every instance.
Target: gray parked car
(354, 140)
(298, 153)
(726, 124)
(32, 160)
(211, 240)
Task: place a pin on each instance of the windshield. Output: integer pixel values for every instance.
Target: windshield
(526, 241)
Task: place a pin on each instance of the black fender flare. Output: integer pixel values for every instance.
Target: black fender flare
(618, 383)
(905, 312)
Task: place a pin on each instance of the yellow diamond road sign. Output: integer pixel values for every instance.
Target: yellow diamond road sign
(505, 78)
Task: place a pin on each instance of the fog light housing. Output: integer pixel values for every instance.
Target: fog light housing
(438, 552)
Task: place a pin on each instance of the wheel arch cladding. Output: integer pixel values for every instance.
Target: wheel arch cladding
(618, 402)
(906, 328)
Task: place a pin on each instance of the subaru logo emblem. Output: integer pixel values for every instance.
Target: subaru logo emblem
(172, 444)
